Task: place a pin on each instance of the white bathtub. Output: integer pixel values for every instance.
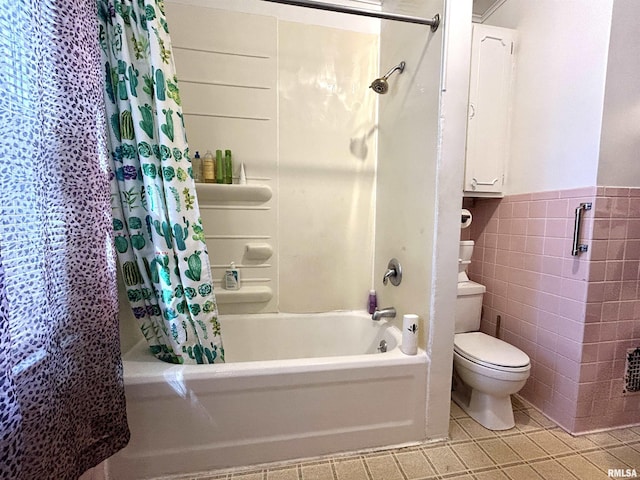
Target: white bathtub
(294, 386)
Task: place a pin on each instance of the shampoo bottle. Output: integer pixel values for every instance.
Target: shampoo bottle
(232, 278)
(219, 167)
(228, 167)
(208, 168)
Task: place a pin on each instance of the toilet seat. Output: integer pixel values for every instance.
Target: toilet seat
(490, 352)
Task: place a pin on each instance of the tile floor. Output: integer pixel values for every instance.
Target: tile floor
(535, 449)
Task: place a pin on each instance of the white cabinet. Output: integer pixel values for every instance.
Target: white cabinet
(491, 75)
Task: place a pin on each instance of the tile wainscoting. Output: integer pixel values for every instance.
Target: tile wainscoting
(575, 316)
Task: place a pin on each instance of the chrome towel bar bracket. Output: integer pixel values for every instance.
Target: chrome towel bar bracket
(577, 246)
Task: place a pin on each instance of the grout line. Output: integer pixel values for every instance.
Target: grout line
(332, 464)
(624, 462)
(495, 461)
(431, 464)
(456, 474)
(462, 462)
(568, 472)
(599, 467)
(366, 467)
(397, 462)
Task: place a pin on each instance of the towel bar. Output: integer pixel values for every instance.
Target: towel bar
(577, 246)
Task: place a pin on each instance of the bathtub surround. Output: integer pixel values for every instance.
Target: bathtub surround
(159, 235)
(576, 317)
(326, 194)
(287, 97)
(227, 64)
(62, 396)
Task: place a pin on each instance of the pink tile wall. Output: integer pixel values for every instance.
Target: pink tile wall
(574, 316)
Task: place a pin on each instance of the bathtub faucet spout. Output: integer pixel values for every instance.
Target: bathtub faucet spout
(385, 312)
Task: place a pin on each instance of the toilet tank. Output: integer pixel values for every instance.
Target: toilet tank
(469, 306)
(465, 251)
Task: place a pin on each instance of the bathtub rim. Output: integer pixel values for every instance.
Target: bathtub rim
(140, 366)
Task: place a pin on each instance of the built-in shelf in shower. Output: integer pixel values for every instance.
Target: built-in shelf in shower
(246, 294)
(220, 192)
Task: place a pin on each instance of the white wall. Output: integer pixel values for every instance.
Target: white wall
(452, 134)
(408, 196)
(286, 89)
(620, 142)
(561, 61)
(326, 196)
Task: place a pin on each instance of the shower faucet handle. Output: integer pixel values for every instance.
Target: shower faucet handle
(393, 273)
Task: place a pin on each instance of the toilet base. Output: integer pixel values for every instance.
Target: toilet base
(493, 413)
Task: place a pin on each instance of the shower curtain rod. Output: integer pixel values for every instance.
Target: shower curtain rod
(433, 22)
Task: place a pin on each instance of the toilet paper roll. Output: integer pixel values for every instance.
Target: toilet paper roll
(410, 334)
(465, 218)
(258, 251)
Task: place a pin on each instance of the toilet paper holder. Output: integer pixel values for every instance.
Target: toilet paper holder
(465, 218)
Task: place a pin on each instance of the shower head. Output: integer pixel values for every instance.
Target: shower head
(380, 85)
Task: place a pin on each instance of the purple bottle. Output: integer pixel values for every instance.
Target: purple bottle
(373, 302)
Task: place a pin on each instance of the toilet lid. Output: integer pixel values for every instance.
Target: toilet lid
(484, 349)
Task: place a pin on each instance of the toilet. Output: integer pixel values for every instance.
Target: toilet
(487, 370)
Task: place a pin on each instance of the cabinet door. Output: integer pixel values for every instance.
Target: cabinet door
(489, 108)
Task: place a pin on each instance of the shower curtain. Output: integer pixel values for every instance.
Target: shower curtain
(156, 218)
(62, 403)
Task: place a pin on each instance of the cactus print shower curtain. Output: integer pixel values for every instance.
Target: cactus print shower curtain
(62, 402)
(159, 235)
